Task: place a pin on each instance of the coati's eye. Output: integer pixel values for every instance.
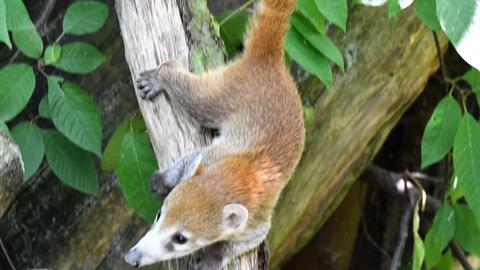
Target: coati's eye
(179, 239)
(157, 217)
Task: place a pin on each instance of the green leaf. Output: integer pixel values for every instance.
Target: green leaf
(472, 77)
(29, 42)
(17, 83)
(43, 108)
(52, 54)
(75, 115)
(310, 11)
(321, 42)
(136, 166)
(85, 17)
(71, 164)
(440, 131)
(30, 141)
(393, 8)
(233, 30)
(3, 26)
(445, 262)
(454, 190)
(439, 235)
(418, 247)
(309, 58)
(112, 153)
(335, 11)
(467, 232)
(80, 58)
(466, 161)
(4, 128)
(17, 15)
(461, 22)
(427, 11)
(23, 30)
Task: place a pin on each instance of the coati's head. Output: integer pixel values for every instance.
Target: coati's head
(193, 216)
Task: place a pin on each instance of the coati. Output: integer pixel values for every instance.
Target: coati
(222, 196)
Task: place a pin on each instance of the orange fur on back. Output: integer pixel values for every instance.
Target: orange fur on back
(266, 36)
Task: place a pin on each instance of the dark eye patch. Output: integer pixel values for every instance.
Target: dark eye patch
(179, 238)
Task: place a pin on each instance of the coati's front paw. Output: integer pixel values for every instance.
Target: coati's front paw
(157, 184)
(148, 84)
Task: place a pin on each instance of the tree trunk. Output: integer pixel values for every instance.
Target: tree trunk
(154, 28)
(49, 225)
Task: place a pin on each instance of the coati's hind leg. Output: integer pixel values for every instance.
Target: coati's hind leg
(192, 92)
(162, 183)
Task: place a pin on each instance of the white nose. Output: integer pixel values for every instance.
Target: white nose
(133, 257)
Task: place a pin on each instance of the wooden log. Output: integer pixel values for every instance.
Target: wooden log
(11, 171)
(388, 64)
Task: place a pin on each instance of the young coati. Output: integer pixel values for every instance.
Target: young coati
(224, 194)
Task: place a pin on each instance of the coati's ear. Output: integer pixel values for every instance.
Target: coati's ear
(234, 216)
(184, 168)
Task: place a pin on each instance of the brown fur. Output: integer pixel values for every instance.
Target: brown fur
(260, 114)
(255, 105)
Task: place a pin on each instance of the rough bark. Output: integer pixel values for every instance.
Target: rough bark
(52, 226)
(389, 62)
(11, 171)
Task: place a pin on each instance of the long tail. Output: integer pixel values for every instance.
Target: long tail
(266, 36)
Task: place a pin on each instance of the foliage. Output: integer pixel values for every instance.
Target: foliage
(78, 133)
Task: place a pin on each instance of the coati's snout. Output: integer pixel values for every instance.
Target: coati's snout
(133, 257)
(183, 226)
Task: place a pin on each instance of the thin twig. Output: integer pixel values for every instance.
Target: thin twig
(441, 61)
(42, 20)
(458, 252)
(370, 239)
(4, 250)
(402, 233)
(236, 11)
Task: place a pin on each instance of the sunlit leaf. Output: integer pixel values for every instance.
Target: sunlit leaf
(136, 166)
(17, 83)
(29, 139)
(439, 235)
(72, 165)
(418, 247)
(85, 17)
(52, 54)
(79, 57)
(310, 11)
(233, 30)
(309, 58)
(112, 153)
(335, 11)
(440, 131)
(29, 42)
(466, 161)
(427, 11)
(75, 115)
(467, 231)
(319, 41)
(4, 37)
(461, 22)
